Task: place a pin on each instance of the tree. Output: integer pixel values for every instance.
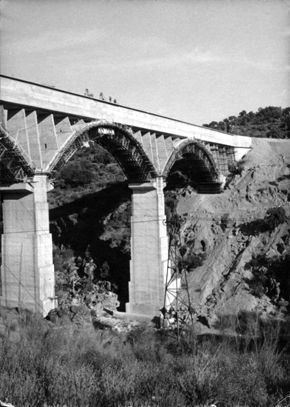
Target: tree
(271, 122)
(105, 271)
(75, 174)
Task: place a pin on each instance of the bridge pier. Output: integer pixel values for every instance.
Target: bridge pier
(149, 248)
(27, 270)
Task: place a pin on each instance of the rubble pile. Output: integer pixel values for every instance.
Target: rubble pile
(84, 300)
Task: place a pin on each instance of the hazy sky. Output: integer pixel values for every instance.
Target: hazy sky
(194, 60)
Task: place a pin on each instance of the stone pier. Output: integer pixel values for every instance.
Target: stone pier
(149, 248)
(27, 271)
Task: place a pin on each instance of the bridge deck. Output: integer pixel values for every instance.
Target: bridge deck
(16, 93)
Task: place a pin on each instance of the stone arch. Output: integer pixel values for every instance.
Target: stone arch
(118, 140)
(191, 163)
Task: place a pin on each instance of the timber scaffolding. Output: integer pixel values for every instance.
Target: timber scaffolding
(118, 140)
(223, 156)
(13, 166)
(197, 168)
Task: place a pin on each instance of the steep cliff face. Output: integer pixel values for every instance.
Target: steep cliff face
(244, 234)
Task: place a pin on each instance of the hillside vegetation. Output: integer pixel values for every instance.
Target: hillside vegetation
(88, 171)
(79, 366)
(269, 122)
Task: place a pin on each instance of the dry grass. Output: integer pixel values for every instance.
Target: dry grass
(57, 366)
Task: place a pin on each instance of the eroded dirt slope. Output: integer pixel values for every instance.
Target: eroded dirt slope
(233, 228)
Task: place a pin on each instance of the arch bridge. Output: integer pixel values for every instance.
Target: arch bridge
(41, 128)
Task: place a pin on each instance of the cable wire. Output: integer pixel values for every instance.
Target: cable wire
(19, 281)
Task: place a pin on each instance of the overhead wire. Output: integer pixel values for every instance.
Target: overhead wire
(46, 247)
(209, 219)
(13, 274)
(110, 224)
(157, 220)
(19, 281)
(40, 227)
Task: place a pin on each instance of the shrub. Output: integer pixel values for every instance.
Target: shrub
(274, 217)
(236, 168)
(270, 276)
(64, 366)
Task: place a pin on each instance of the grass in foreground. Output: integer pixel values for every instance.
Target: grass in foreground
(63, 366)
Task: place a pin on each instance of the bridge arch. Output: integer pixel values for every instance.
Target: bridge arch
(118, 140)
(195, 151)
(191, 163)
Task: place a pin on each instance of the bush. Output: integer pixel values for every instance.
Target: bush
(236, 168)
(64, 366)
(274, 217)
(270, 276)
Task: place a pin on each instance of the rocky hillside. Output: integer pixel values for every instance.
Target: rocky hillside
(244, 235)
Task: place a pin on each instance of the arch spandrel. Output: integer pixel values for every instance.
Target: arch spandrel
(118, 141)
(14, 165)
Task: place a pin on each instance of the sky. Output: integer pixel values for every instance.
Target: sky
(192, 60)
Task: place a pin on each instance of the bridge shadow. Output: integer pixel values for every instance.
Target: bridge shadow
(98, 223)
(105, 201)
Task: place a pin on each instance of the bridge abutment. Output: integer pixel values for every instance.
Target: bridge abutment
(149, 248)
(27, 269)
